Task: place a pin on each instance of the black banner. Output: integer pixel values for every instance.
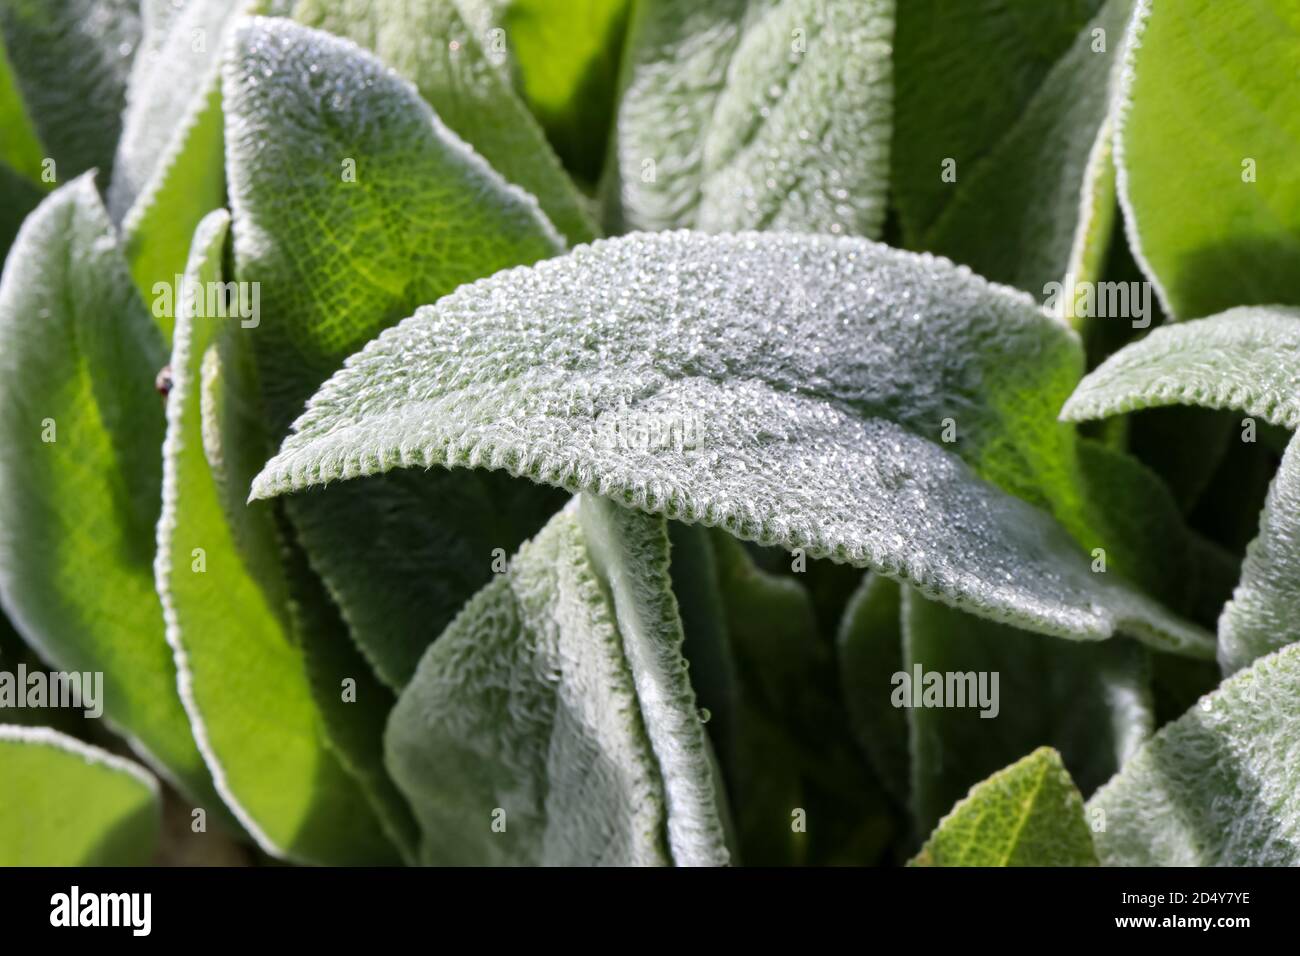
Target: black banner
(271, 904)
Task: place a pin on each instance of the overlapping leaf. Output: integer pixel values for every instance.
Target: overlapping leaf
(431, 45)
(565, 60)
(800, 787)
(65, 803)
(227, 605)
(80, 429)
(870, 645)
(352, 205)
(553, 372)
(1246, 359)
(553, 721)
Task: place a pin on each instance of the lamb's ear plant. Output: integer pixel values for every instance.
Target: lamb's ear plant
(650, 432)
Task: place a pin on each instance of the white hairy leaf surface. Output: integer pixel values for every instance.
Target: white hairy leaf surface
(1246, 358)
(1220, 786)
(739, 115)
(663, 371)
(553, 722)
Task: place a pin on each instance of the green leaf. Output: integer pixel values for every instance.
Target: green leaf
(65, 803)
(336, 261)
(706, 646)
(170, 82)
(351, 202)
(870, 644)
(768, 631)
(565, 60)
(754, 116)
(79, 483)
(430, 44)
(802, 792)
(1141, 533)
(967, 737)
(168, 172)
(226, 601)
(1016, 94)
(659, 370)
(1030, 814)
(1218, 786)
(553, 722)
(21, 151)
(70, 59)
(1206, 129)
(1246, 359)
(18, 197)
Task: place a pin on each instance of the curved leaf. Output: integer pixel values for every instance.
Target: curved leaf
(430, 44)
(225, 598)
(81, 426)
(65, 803)
(170, 80)
(346, 164)
(1217, 787)
(1205, 151)
(553, 722)
(754, 116)
(659, 370)
(1246, 359)
(1030, 814)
